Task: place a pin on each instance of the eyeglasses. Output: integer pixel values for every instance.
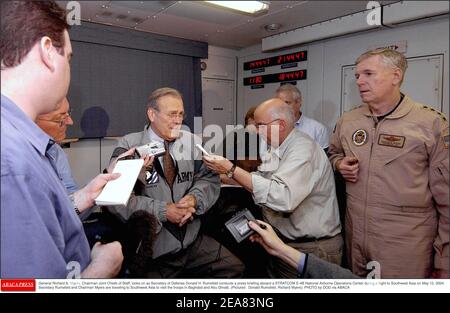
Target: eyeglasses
(258, 125)
(60, 122)
(174, 115)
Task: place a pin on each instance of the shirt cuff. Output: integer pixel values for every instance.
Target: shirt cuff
(301, 268)
(162, 211)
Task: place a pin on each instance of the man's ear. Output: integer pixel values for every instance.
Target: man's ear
(282, 124)
(398, 74)
(47, 51)
(151, 114)
(299, 104)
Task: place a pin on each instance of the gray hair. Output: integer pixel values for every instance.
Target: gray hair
(159, 93)
(294, 91)
(390, 58)
(283, 112)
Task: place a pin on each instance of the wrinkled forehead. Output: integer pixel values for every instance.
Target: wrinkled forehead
(258, 116)
(170, 103)
(63, 108)
(371, 62)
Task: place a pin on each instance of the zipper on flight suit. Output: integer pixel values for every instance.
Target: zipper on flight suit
(374, 133)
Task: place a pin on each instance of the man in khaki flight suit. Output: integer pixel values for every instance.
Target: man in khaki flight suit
(393, 154)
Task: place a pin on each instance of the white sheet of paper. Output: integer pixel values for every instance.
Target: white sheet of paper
(118, 191)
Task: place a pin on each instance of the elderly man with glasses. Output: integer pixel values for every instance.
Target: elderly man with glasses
(55, 125)
(294, 186)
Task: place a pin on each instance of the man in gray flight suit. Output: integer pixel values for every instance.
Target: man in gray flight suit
(177, 190)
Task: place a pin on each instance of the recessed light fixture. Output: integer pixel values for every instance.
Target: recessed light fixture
(272, 27)
(248, 7)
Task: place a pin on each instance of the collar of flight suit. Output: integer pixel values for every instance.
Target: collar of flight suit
(404, 108)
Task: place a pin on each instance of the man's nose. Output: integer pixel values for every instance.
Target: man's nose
(69, 120)
(360, 81)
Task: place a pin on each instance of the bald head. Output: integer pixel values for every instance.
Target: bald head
(276, 108)
(275, 120)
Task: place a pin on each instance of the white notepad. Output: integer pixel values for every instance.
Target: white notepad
(118, 191)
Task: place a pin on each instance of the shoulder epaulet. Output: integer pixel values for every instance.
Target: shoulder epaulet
(441, 115)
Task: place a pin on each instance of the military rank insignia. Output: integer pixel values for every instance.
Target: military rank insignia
(359, 137)
(151, 177)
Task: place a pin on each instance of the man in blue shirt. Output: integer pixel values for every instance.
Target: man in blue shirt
(293, 97)
(41, 235)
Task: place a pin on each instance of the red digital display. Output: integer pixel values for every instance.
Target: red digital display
(277, 60)
(275, 78)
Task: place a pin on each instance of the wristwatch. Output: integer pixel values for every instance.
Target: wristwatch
(230, 172)
(72, 199)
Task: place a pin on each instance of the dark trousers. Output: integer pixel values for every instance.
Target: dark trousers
(204, 258)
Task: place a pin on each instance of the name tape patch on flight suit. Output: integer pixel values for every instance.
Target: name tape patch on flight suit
(359, 137)
(391, 140)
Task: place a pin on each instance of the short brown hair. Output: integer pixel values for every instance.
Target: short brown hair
(250, 115)
(390, 58)
(23, 23)
(159, 93)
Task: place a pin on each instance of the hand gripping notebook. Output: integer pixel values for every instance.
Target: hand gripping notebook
(118, 191)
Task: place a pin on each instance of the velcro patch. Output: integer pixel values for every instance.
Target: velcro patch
(391, 140)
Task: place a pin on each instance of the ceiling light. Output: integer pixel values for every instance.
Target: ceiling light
(249, 7)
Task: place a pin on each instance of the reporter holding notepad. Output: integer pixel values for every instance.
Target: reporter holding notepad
(41, 235)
